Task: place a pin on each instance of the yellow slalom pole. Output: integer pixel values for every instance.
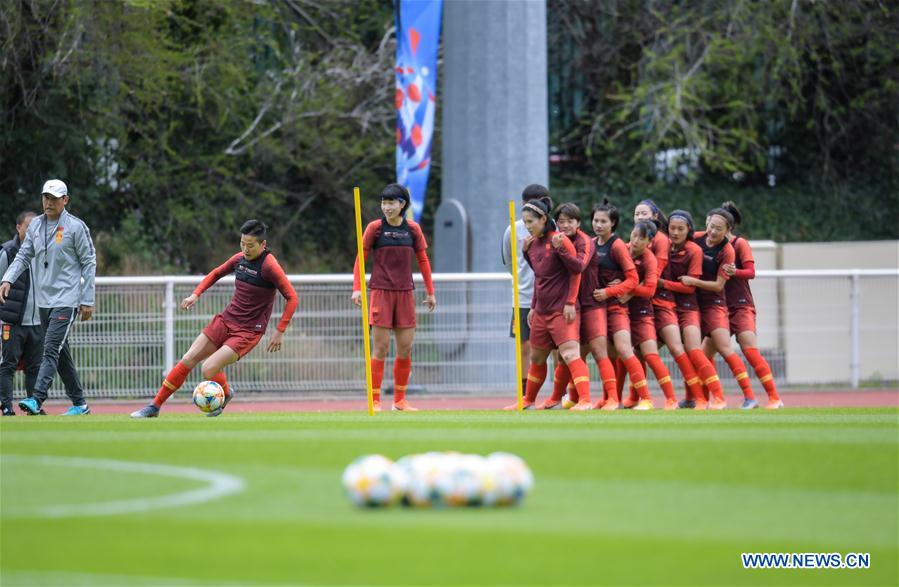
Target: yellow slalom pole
(515, 314)
(365, 334)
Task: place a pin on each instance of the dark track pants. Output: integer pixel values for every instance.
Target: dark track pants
(57, 324)
(25, 343)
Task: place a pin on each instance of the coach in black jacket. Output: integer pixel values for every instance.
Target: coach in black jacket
(22, 335)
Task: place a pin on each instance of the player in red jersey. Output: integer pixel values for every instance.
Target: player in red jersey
(685, 260)
(232, 334)
(618, 276)
(553, 317)
(640, 309)
(568, 221)
(395, 241)
(647, 210)
(741, 307)
(717, 252)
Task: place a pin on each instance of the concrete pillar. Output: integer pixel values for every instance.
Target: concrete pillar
(495, 121)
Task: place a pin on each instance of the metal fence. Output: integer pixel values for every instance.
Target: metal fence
(813, 328)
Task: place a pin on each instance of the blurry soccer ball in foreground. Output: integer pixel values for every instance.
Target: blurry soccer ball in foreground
(437, 479)
(209, 396)
(374, 481)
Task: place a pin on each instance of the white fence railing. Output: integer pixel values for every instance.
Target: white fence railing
(815, 327)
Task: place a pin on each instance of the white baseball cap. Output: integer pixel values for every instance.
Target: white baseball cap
(55, 188)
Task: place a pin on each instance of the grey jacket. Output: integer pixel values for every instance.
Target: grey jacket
(31, 316)
(525, 273)
(66, 248)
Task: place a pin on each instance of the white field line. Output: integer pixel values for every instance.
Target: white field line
(219, 485)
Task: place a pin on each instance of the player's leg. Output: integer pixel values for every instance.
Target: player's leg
(599, 348)
(570, 351)
(650, 351)
(402, 368)
(623, 345)
(227, 354)
(380, 346)
(720, 338)
(11, 350)
(541, 345)
(692, 337)
(201, 348)
(749, 343)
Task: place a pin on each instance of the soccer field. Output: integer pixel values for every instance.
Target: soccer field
(623, 498)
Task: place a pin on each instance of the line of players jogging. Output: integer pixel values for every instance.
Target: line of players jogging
(668, 286)
(619, 302)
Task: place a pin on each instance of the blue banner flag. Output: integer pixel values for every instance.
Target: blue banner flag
(418, 37)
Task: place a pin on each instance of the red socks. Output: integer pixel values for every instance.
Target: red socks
(402, 368)
(607, 374)
(761, 368)
(560, 381)
(171, 383)
(581, 377)
(662, 375)
(707, 373)
(223, 381)
(739, 370)
(536, 377)
(638, 377)
(621, 372)
(691, 379)
(377, 375)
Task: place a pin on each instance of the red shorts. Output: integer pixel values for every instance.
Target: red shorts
(643, 328)
(713, 318)
(664, 316)
(549, 331)
(593, 324)
(618, 320)
(688, 318)
(391, 308)
(742, 319)
(239, 340)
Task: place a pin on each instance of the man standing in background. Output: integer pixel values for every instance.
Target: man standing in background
(22, 336)
(60, 246)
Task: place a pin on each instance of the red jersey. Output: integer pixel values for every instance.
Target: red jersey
(615, 263)
(555, 284)
(394, 248)
(660, 245)
(584, 248)
(648, 276)
(712, 260)
(254, 291)
(737, 287)
(686, 260)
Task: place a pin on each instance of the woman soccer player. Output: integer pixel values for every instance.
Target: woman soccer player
(232, 334)
(395, 241)
(618, 276)
(660, 245)
(717, 252)
(568, 222)
(640, 310)
(741, 307)
(553, 317)
(685, 260)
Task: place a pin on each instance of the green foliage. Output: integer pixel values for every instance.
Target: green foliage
(800, 94)
(173, 122)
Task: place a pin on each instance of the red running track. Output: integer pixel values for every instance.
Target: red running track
(800, 399)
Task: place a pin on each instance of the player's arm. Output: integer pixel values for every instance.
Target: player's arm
(742, 251)
(87, 255)
(506, 250)
(424, 265)
(631, 277)
(211, 278)
(577, 261)
(273, 272)
(727, 258)
(647, 289)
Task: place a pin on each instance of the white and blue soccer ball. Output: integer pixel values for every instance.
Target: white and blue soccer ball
(374, 481)
(209, 396)
(514, 479)
(424, 472)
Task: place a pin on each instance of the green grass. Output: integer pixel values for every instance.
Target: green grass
(625, 498)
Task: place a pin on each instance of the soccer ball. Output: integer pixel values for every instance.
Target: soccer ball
(209, 396)
(374, 481)
(423, 472)
(512, 476)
